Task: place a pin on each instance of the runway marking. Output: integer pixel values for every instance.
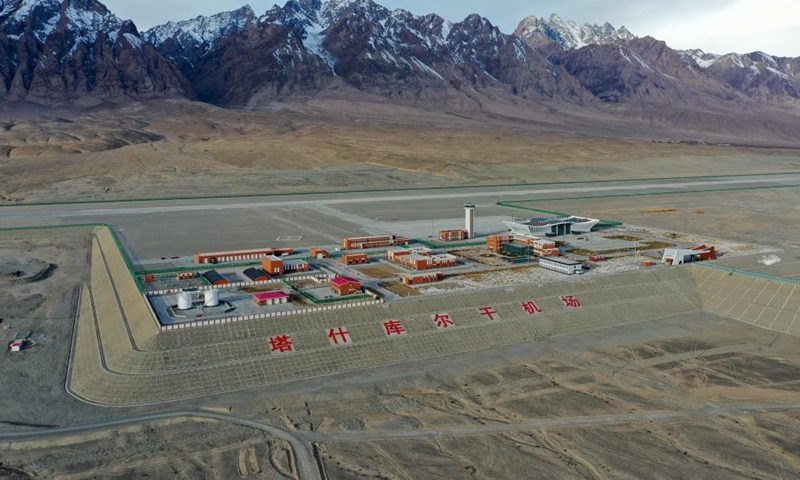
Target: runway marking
(289, 238)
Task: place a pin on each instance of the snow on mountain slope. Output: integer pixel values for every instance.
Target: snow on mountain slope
(83, 19)
(568, 34)
(59, 49)
(202, 30)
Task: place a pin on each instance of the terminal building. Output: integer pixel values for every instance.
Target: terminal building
(552, 227)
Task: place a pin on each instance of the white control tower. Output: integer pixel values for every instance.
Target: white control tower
(469, 218)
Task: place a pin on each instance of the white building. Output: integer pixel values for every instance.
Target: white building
(550, 227)
(561, 265)
(679, 256)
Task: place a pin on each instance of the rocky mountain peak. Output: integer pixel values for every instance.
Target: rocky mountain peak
(336, 9)
(85, 19)
(568, 34)
(202, 30)
(53, 50)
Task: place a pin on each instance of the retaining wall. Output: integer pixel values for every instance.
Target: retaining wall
(140, 322)
(756, 299)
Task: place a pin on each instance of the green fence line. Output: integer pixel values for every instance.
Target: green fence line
(343, 299)
(760, 276)
(316, 301)
(125, 258)
(195, 268)
(414, 189)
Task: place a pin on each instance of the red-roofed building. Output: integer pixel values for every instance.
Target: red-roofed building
(345, 285)
(270, 298)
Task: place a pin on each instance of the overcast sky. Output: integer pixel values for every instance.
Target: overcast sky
(718, 26)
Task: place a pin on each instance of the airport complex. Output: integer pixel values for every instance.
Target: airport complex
(149, 335)
(252, 313)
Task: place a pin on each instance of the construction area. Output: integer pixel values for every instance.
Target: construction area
(502, 337)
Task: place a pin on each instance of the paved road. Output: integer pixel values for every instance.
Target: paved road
(508, 193)
(306, 464)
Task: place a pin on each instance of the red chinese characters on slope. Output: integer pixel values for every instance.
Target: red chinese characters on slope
(531, 308)
(442, 321)
(490, 313)
(570, 301)
(281, 344)
(393, 327)
(339, 336)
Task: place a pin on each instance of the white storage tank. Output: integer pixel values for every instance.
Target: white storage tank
(184, 300)
(211, 298)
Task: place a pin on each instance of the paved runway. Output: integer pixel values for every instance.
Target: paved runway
(182, 227)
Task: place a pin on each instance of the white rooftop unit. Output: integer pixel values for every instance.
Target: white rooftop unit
(184, 300)
(211, 298)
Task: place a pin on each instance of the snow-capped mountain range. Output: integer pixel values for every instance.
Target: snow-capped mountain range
(66, 49)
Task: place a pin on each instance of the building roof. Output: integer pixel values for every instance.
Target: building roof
(342, 281)
(560, 260)
(295, 262)
(214, 277)
(270, 295)
(273, 258)
(255, 273)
